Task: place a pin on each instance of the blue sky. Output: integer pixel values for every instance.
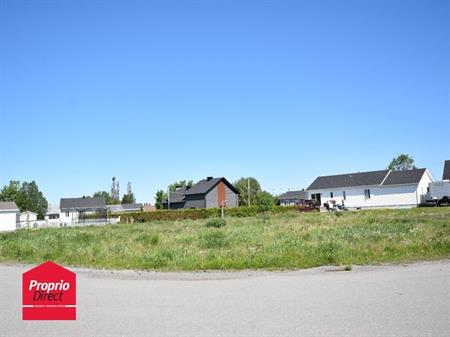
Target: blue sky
(153, 92)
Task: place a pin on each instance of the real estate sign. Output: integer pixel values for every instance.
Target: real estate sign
(49, 293)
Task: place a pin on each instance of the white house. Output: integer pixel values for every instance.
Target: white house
(28, 219)
(9, 216)
(384, 188)
(72, 208)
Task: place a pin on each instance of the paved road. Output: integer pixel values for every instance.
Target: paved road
(411, 300)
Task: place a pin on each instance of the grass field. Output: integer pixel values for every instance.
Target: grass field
(286, 241)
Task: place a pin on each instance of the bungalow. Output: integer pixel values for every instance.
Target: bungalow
(9, 216)
(292, 198)
(72, 209)
(384, 188)
(207, 193)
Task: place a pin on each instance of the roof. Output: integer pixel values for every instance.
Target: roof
(372, 178)
(77, 203)
(131, 206)
(28, 212)
(8, 206)
(294, 195)
(176, 196)
(404, 177)
(446, 173)
(349, 180)
(205, 185)
(202, 187)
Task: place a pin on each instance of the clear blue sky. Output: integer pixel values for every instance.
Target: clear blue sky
(153, 92)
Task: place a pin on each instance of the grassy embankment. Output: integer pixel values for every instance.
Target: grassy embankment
(290, 240)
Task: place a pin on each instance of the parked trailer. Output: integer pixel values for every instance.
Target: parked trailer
(440, 192)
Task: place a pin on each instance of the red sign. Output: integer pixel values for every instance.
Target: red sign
(49, 293)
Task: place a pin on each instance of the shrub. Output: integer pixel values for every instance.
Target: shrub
(196, 214)
(214, 239)
(216, 222)
(264, 201)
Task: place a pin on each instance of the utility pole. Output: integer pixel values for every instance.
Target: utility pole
(168, 197)
(248, 191)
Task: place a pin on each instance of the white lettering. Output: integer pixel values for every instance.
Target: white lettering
(49, 286)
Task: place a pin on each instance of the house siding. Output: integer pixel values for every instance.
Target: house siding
(380, 196)
(231, 197)
(194, 201)
(212, 197)
(8, 221)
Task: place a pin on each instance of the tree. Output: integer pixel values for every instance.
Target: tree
(128, 198)
(402, 162)
(264, 201)
(160, 196)
(26, 196)
(180, 184)
(106, 196)
(242, 185)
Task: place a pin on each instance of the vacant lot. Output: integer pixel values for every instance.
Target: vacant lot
(291, 240)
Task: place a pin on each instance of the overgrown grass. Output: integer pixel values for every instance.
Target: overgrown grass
(291, 240)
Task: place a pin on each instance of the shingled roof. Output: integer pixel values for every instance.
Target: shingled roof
(205, 185)
(294, 195)
(202, 187)
(446, 174)
(8, 206)
(82, 203)
(372, 178)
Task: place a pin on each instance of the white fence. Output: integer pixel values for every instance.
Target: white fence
(56, 223)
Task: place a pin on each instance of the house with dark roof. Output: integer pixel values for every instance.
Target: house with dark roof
(72, 209)
(9, 216)
(292, 197)
(207, 193)
(383, 188)
(446, 173)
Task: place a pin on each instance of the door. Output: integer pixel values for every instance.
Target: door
(316, 197)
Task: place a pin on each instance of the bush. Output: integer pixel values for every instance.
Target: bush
(216, 222)
(200, 213)
(264, 201)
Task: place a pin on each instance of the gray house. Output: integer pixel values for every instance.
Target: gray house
(292, 198)
(207, 193)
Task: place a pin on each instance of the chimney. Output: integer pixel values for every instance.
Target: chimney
(208, 178)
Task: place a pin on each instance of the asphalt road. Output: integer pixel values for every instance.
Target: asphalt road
(411, 300)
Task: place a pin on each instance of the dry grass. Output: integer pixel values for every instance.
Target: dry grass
(290, 240)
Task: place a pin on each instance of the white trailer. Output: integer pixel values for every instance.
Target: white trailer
(440, 192)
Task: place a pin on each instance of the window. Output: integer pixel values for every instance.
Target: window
(67, 214)
(344, 195)
(331, 194)
(367, 194)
